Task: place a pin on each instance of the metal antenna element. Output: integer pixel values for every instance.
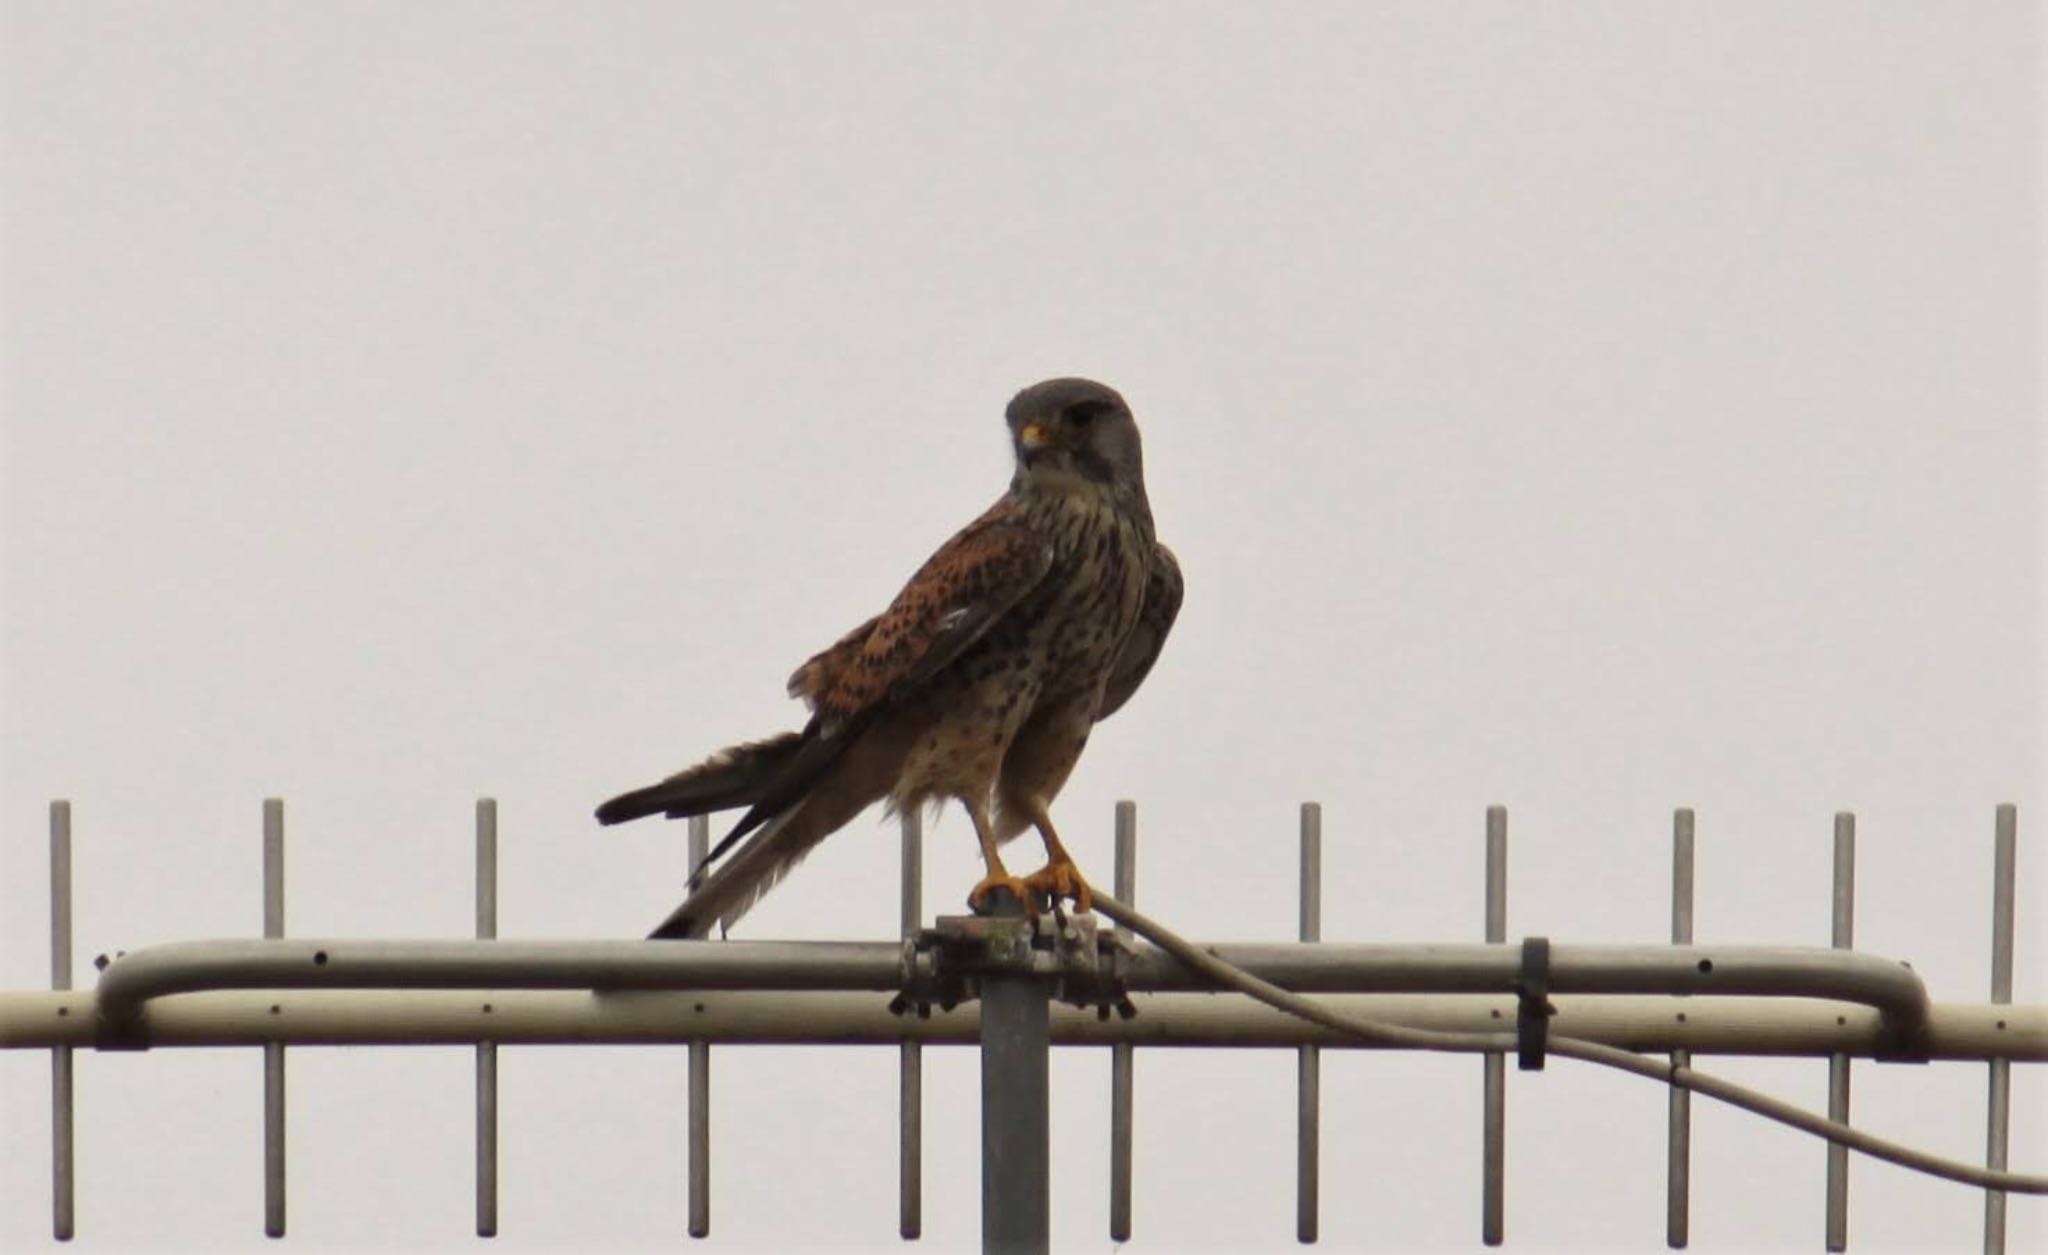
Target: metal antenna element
(1998, 1122)
(63, 1214)
(1016, 986)
(1493, 1128)
(700, 1076)
(1678, 1155)
(910, 1061)
(1209, 961)
(486, 1051)
(1120, 1054)
(1843, 938)
(273, 1052)
(1308, 1065)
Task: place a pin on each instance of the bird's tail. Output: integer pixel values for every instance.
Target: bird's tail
(791, 806)
(739, 776)
(770, 853)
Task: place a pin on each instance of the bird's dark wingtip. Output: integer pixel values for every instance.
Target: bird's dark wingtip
(635, 805)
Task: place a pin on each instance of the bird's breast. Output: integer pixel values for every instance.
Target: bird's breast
(1058, 644)
(1091, 599)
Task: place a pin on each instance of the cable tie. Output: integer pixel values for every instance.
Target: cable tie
(1532, 1017)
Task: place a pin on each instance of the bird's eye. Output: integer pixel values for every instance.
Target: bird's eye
(1081, 415)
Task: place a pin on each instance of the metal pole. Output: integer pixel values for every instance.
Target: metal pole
(1998, 1119)
(910, 1078)
(1844, 937)
(273, 1052)
(63, 1210)
(127, 990)
(486, 1052)
(1678, 1154)
(1016, 1041)
(700, 1079)
(1493, 1129)
(1120, 1055)
(413, 1016)
(1308, 1063)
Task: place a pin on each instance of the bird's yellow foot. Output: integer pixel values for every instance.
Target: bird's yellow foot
(1061, 879)
(977, 897)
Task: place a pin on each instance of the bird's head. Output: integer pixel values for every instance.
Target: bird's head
(1075, 429)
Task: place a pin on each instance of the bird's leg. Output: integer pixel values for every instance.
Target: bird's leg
(998, 876)
(1059, 878)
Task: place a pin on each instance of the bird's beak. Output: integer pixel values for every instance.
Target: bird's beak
(1033, 436)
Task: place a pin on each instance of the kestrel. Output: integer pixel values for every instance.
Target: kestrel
(979, 683)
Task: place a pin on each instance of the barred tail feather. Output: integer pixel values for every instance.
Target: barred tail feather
(798, 788)
(771, 853)
(732, 777)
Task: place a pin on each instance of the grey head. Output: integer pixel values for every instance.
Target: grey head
(1076, 428)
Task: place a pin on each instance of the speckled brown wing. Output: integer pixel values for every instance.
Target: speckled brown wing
(953, 599)
(1141, 648)
(819, 672)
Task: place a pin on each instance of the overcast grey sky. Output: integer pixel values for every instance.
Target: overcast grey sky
(1591, 408)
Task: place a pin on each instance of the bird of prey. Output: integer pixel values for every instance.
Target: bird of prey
(979, 683)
